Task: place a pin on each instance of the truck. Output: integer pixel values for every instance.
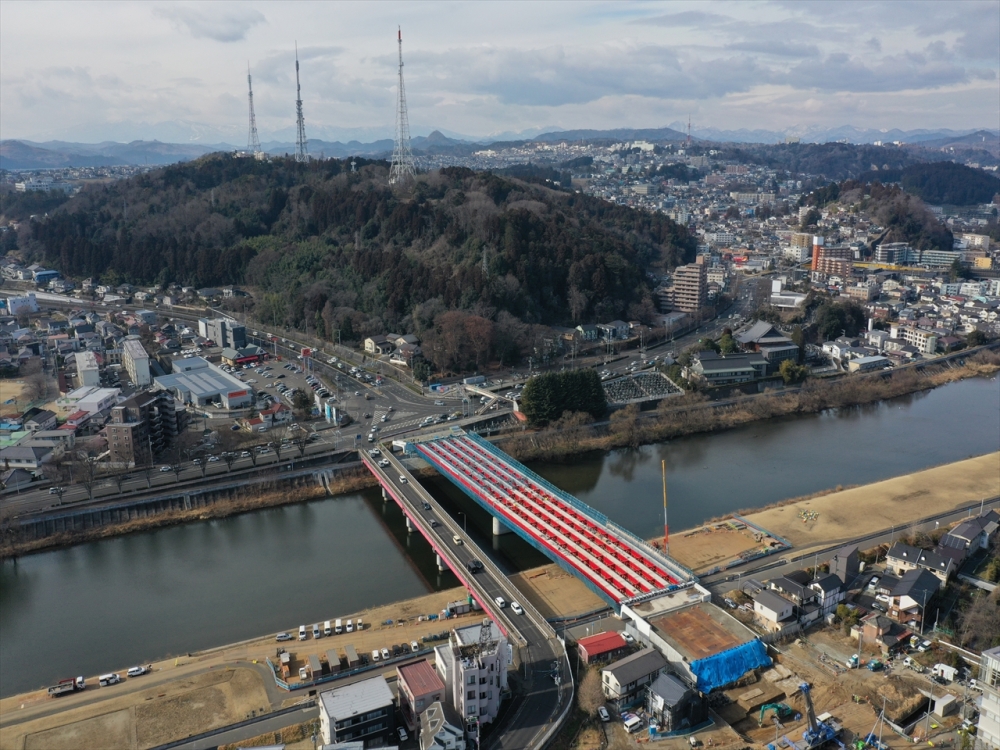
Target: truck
(911, 663)
(69, 685)
(947, 672)
(853, 662)
(338, 626)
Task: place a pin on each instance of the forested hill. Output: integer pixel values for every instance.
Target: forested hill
(320, 245)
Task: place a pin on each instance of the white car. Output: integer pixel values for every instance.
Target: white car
(165, 469)
(403, 736)
(501, 602)
(516, 608)
(402, 479)
(603, 713)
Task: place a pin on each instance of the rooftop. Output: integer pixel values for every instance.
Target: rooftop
(701, 630)
(420, 677)
(601, 643)
(636, 666)
(356, 698)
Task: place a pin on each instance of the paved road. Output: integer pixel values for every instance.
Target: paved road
(793, 560)
(270, 724)
(542, 701)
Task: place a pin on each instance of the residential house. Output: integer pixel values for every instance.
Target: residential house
(419, 688)
(378, 345)
(902, 557)
(616, 329)
(361, 711)
(27, 457)
(39, 419)
(624, 681)
(601, 647)
(846, 564)
(673, 705)
(439, 730)
(908, 598)
(588, 332)
(876, 628)
(773, 611)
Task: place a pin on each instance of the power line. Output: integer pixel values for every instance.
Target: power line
(401, 168)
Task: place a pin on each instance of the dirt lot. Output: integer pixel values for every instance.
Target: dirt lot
(556, 593)
(11, 390)
(192, 694)
(892, 502)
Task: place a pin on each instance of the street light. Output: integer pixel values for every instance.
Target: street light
(465, 521)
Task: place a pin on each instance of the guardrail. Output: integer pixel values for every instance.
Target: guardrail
(457, 567)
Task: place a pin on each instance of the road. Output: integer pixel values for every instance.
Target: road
(541, 702)
(722, 582)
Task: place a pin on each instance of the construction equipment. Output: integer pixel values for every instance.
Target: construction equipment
(853, 662)
(819, 731)
(874, 665)
(780, 710)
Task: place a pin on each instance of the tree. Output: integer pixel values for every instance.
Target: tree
(793, 373)
(421, 369)
(300, 441)
(625, 422)
(976, 338)
(301, 403)
(88, 471)
(589, 693)
(727, 344)
(546, 397)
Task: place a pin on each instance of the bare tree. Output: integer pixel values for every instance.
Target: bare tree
(119, 478)
(300, 441)
(88, 471)
(589, 693)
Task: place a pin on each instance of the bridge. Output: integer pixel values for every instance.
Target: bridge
(544, 703)
(613, 562)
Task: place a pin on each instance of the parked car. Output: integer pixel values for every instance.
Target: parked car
(603, 713)
(283, 637)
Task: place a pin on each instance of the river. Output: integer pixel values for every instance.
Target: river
(108, 604)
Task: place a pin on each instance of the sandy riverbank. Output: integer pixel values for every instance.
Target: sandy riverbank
(898, 502)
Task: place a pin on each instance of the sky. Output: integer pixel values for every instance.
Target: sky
(176, 71)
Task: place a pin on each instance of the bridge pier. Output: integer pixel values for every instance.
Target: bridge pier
(441, 566)
(499, 528)
(385, 495)
(409, 525)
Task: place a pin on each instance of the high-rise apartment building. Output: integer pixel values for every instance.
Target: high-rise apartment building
(142, 426)
(690, 290)
(136, 362)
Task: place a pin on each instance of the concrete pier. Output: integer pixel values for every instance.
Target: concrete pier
(441, 566)
(499, 528)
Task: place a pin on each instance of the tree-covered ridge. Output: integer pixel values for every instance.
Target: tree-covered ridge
(328, 247)
(949, 183)
(905, 216)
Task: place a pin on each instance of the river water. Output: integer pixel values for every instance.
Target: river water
(105, 605)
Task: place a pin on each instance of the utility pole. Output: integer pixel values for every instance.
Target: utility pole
(301, 152)
(401, 168)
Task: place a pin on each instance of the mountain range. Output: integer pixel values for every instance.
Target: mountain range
(24, 154)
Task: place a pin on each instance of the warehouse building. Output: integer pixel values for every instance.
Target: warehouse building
(196, 382)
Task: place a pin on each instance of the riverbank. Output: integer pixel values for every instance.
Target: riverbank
(197, 692)
(628, 428)
(692, 413)
(820, 522)
(344, 481)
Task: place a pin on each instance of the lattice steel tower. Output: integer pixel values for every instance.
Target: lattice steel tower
(401, 168)
(301, 152)
(253, 142)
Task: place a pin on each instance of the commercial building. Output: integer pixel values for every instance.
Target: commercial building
(726, 369)
(223, 332)
(361, 712)
(136, 362)
(925, 341)
(704, 645)
(624, 681)
(473, 666)
(419, 687)
(141, 427)
(197, 382)
(988, 728)
(868, 364)
(90, 399)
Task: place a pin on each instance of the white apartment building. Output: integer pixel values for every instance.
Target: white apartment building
(924, 341)
(136, 362)
(474, 671)
(87, 370)
(988, 728)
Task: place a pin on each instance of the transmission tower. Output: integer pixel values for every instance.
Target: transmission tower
(253, 142)
(301, 152)
(402, 157)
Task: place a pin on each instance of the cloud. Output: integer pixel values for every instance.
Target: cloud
(778, 48)
(223, 23)
(688, 18)
(841, 72)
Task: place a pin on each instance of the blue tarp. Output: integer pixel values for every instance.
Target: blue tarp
(721, 669)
